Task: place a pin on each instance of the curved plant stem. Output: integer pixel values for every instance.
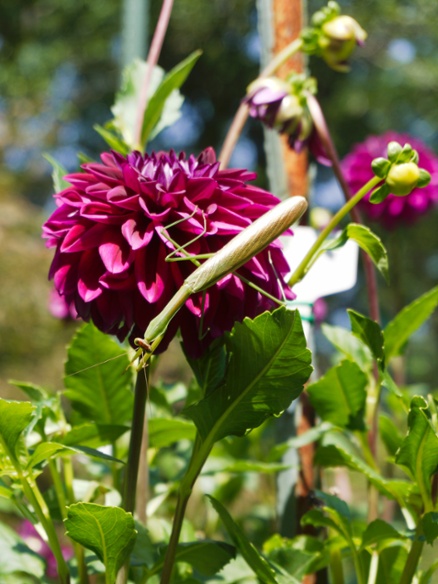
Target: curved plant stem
(313, 252)
(154, 53)
(199, 456)
(412, 560)
(242, 112)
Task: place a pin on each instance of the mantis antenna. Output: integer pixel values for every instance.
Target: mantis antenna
(245, 245)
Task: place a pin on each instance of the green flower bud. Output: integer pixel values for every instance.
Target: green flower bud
(403, 178)
(333, 36)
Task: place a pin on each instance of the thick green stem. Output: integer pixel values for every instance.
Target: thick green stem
(199, 456)
(242, 113)
(336, 569)
(313, 252)
(412, 560)
(130, 488)
(140, 397)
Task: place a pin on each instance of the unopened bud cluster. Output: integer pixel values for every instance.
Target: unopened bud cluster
(400, 172)
(333, 36)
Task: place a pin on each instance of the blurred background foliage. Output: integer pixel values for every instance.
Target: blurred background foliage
(60, 67)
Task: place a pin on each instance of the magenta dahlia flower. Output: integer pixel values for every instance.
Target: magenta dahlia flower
(121, 224)
(394, 210)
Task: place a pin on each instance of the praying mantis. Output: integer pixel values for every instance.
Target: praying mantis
(245, 245)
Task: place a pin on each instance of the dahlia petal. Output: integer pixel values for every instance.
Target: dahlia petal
(115, 256)
(134, 236)
(83, 236)
(88, 282)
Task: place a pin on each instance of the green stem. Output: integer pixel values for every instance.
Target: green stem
(336, 569)
(412, 559)
(199, 456)
(59, 488)
(242, 113)
(313, 252)
(130, 488)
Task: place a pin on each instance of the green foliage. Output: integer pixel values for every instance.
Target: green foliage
(97, 381)
(370, 333)
(419, 450)
(398, 331)
(366, 240)
(268, 365)
(339, 396)
(107, 531)
(258, 564)
(14, 419)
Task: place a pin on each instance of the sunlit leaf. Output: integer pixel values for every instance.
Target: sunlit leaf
(419, 449)
(407, 321)
(156, 117)
(268, 365)
(256, 561)
(167, 431)
(370, 333)
(366, 240)
(348, 343)
(107, 531)
(96, 378)
(14, 419)
(339, 396)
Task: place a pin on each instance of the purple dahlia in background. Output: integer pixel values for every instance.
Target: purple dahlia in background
(394, 210)
(121, 221)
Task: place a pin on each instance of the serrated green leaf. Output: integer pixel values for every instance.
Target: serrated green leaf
(407, 321)
(17, 558)
(380, 533)
(107, 531)
(252, 557)
(430, 526)
(171, 82)
(339, 396)
(419, 449)
(58, 174)
(101, 393)
(370, 333)
(348, 343)
(268, 365)
(15, 417)
(371, 244)
(166, 431)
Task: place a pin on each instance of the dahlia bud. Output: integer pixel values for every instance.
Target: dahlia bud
(403, 178)
(333, 37)
(400, 171)
(282, 105)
